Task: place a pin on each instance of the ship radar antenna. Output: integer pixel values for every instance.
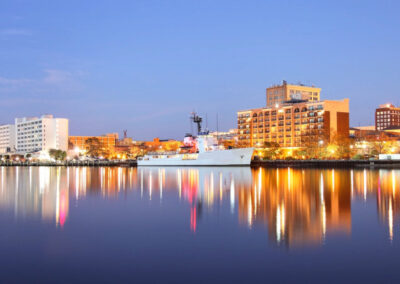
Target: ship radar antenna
(197, 119)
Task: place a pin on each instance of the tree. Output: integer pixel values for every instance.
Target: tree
(58, 155)
(339, 147)
(383, 144)
(96, 148)
(272, 150)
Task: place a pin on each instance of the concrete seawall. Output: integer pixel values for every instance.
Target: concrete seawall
(327, 163)
(130, 163)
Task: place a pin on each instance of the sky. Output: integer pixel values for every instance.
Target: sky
(144, 66)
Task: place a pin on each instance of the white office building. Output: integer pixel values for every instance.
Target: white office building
(7, 138)
(33, 134)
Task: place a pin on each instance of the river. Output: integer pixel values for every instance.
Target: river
(196, 225)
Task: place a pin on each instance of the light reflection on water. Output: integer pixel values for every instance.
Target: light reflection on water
(297, 206)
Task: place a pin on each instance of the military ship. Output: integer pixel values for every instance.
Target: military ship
(205, 152)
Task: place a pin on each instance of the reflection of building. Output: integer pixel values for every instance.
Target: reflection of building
(294, 123)
(388, 198)
(387, 116)
(37, 191)
(298, 208)
(285, 92)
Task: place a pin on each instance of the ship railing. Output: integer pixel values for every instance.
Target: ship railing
(162, 153)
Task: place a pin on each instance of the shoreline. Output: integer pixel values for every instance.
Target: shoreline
(128, 163)
(381, 164)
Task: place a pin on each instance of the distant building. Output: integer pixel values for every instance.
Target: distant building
(294, 123)
(7, 138)
(231, 135)
(35, 134)
(80, 143)
(387, 116)
(364, 132)
(278, 94)
(162, 145)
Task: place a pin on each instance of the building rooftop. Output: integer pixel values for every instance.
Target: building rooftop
(284, 83)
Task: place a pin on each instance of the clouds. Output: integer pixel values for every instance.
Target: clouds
(53, 81)
(54, 76)
(14, 82)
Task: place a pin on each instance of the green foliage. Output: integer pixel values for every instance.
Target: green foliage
(358, 157)
(271, 145)
(58, 155)
(96, 148)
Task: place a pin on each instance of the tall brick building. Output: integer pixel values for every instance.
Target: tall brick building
(387, 116)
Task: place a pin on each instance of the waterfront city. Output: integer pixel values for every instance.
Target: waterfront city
(199, 141)
(295, 124)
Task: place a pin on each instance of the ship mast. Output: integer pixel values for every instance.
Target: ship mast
(197, 119)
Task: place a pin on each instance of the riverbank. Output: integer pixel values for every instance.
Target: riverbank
(327, 163)
(387, 164)
(126, 163)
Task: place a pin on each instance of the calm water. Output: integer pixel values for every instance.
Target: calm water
(169, 225)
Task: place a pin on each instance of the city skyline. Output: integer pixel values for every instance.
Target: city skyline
(144, 68)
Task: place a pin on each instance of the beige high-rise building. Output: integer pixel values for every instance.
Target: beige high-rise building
(278, 94)
(294, 123)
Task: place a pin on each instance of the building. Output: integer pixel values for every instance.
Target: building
(363, 133)
(230, 135)
(294, 123)
(34, 134)
(7, 138)
(162, 145)
(80, 143)
(387, 116)
(278, 94)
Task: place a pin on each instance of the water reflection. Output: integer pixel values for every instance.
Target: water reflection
(297, 206)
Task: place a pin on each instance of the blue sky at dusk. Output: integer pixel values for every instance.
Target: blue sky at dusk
(145, 65)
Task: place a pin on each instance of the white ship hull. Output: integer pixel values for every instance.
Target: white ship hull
(231, 157)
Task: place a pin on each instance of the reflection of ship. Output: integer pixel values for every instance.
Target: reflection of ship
(206, 153)
(202, 187)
